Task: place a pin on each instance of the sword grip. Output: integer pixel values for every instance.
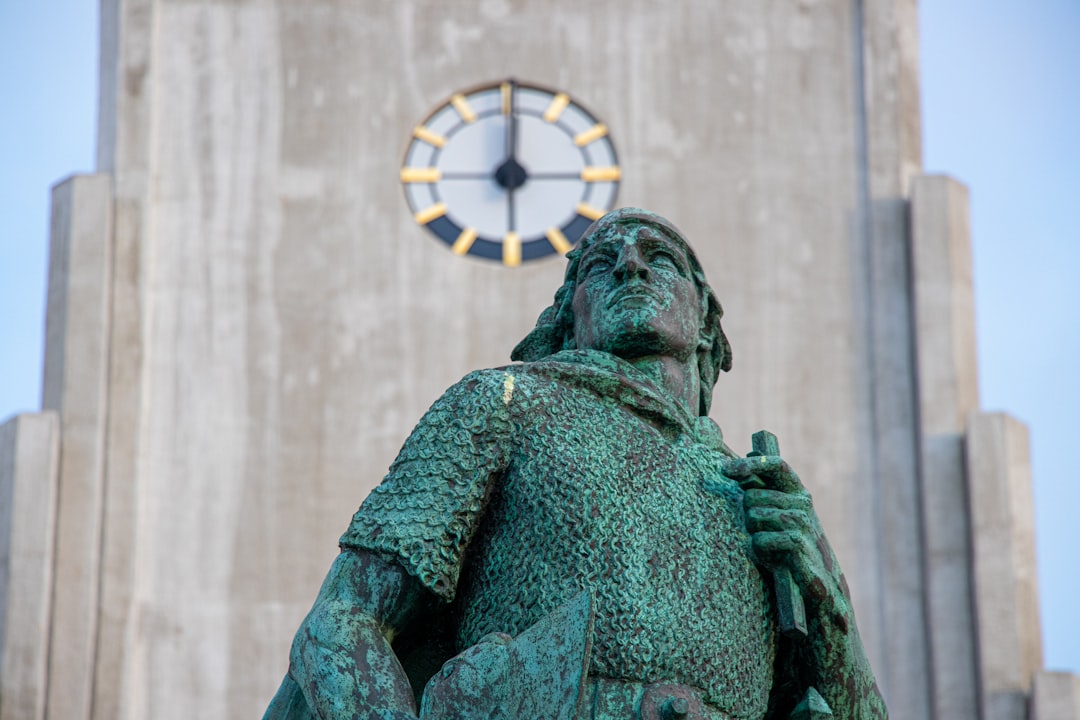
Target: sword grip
(789, 600)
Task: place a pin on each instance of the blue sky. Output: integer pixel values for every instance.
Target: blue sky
(1000, 102)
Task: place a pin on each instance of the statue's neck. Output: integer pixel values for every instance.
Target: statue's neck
(680, 379)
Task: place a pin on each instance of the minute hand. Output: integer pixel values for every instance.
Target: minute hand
(512, 124)
(510, 174)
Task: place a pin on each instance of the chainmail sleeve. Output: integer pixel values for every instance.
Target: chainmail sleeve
(430, 503)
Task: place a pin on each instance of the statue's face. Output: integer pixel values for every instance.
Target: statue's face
(636, 295)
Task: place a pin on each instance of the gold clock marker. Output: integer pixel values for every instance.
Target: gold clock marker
(558, 104)
(601, 174)
(596, 132)
(463, 108)
(504, 89)
(420, 175)
(588, 211)
(511, 247)
(428, 136)
(464, 241)
(558, 240)
(432, 212)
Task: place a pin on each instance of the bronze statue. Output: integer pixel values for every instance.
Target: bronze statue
(575, 530)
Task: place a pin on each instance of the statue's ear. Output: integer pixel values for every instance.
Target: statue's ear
(705, 333)
(713, 340)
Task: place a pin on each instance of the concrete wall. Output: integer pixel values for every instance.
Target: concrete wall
(28, 473)
(1003, 551)
(75, 385)
(944, 314)
(1056, 696)
(273, 321)
(285, 322)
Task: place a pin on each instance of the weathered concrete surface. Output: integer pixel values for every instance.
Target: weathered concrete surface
(893, 519)
(127, 139)
(278, 322)
(75, 385)
(1003, 551)
(1056, 696)
(29, 454)
(947, 392)
(945, 303)
(275, 150)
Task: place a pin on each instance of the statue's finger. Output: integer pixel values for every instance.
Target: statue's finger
(772, 469)
(774, 548)
(777, 499)
(771, 519)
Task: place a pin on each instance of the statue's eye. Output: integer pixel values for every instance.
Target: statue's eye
(598, 264)
(664, 259)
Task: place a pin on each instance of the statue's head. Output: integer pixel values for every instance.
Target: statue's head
(633, 287)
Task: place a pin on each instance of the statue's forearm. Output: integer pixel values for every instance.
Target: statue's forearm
(341, 657)
(839, 668)
(346, 668)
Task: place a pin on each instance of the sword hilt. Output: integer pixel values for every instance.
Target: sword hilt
(789, 600)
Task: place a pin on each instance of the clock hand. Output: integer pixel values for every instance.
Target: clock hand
(511, 220)
(510, 174)
(512, 123)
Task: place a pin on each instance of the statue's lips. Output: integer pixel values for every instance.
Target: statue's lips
(634, 295)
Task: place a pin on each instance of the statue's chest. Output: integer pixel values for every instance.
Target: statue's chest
(597, 498)
(601, 472)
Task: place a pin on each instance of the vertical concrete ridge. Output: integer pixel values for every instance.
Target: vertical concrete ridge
(883, 303)
(943, 320)
(1003, 567)
(944, 303)
(887, 152)
(892, 71)
(105, 607)
(75, 383)
(895, 386)
(1056, 696)
(29, 456)
(863, 300)
(128, 150)
(115, 637)
(126, 127)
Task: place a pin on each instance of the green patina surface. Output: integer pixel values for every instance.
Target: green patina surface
(575, 531)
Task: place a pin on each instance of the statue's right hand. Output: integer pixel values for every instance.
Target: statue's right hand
(471, 684)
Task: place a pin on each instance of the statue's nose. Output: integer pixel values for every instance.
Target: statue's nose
(630, 264)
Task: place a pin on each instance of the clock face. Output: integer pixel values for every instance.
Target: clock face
(510, 172)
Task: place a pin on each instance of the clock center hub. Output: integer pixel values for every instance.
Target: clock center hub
(511, 175)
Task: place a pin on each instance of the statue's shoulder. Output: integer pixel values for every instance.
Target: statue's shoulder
(490, 397)
(513, 388)
(486, 386)
(497, 382)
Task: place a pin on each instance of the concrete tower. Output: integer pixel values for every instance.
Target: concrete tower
(244, 322)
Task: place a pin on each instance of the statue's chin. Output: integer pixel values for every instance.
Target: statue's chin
(633, 335)
(640, 343)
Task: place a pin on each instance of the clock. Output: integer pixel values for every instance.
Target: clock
(510, 172)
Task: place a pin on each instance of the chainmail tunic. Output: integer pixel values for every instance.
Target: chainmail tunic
(522, 486)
